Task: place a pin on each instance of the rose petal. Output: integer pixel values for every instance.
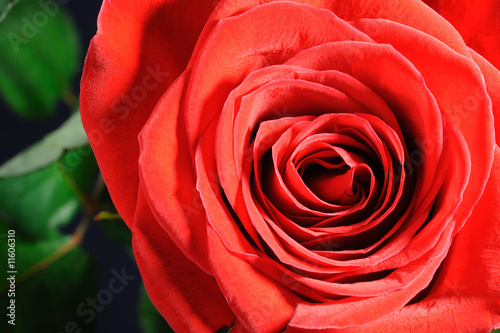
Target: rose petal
(139, 50)
(261, 304)
(188, 298)
(460, 92)
(233, 51)
(373, 64)
(492, 79)
(247, 291)
(369, 285)
(413, 13)
(183, 214)
(347, 311)
(415, 243)
(477, 22)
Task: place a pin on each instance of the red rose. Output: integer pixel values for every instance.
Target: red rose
(321, 166)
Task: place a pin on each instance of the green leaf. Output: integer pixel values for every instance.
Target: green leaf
(150, 321)
(49, 299)
(69, 135)
(40, 202)
(39, 56)
(5, 7)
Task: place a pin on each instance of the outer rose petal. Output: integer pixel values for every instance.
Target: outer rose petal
(465, 296)
(182, 215)
(188, 298)
(139, 50)
(492, 78)
(477, 21)
(260, 303)
(413, 13)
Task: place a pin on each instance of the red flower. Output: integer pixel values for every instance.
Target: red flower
(301, 165)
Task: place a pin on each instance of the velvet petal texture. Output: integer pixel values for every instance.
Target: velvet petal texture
(477, 22)
(129, 65)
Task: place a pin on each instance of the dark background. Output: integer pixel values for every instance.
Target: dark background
(17, 133)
